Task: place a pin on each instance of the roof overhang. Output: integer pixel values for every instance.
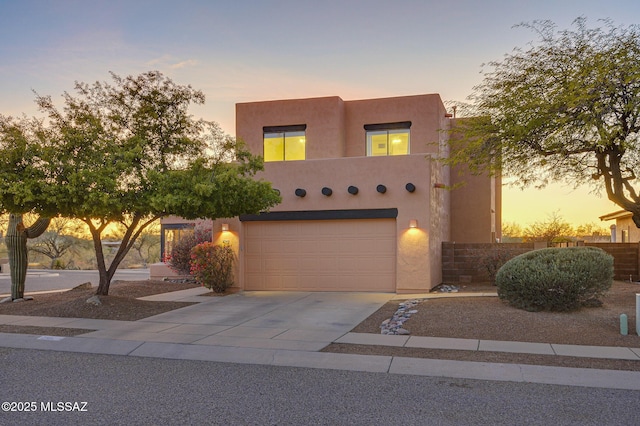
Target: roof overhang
(620, 214)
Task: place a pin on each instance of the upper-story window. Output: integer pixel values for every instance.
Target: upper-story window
(284, 143)
(388, 138)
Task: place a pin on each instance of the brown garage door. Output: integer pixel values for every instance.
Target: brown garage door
(321, 255)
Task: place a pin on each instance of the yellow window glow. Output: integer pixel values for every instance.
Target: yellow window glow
(294, 146)
(377, 143)
(273, 147)
(387, 142)
(284, 146)
(398, 142)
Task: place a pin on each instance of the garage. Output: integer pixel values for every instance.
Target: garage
(320, 255)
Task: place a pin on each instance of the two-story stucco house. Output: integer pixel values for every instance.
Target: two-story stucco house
(365, 204)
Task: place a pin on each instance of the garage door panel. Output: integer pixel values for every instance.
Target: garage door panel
(280, 246)
(316, 264)
(332, 255)
(323, 246)
(355, 265)
(252, 265)
(285, 265)
(358, 246)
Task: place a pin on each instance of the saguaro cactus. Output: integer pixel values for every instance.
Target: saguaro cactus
(16, 240)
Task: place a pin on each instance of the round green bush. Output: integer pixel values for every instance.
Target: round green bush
(555, 279)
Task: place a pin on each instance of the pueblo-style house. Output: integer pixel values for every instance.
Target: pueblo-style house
(365, 203)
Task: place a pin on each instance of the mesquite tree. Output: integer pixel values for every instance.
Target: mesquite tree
(567, 108)
(129, 152)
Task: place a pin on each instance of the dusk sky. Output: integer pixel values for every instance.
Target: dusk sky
(240, 51)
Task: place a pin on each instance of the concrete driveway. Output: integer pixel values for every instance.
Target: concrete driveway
(305, 321)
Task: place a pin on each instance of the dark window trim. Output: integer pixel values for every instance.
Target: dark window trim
(321, 215)
(284, 129)
(388, 126)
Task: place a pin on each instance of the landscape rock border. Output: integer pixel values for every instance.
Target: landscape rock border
(394, 325)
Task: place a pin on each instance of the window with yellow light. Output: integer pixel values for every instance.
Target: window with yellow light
(388, 139)
(284, 143)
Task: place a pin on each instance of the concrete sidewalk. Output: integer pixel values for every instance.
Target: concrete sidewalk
(289, 328)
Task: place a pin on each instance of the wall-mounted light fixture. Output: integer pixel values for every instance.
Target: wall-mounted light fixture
(353, 190)
(327, 191)
(301, 192)
(413, 223)
(225, 227)
(381, 189)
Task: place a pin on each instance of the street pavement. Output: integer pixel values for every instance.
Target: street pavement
(121, 390)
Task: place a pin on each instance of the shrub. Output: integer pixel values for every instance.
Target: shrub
(555, 279)
(496, 256)
(212, 266)
(180, 257)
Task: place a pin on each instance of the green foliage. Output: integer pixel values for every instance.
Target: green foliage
(126, 152)
(179, 260)
(22, 171)
(566, 108)
(555, 279)
(212, 266)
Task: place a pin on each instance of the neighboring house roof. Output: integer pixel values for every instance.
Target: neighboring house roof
(620, 214)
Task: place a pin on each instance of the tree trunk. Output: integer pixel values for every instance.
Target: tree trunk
(129, 238)
(16, 241)
(105, 281)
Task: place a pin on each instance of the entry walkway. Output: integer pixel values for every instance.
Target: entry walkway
(290, 328)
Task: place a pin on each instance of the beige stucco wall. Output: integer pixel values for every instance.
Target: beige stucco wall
(476, 205)
(426, 113)
(440, 218)
(415, 249)
(324, 118)
(335, 128)
(626, 224)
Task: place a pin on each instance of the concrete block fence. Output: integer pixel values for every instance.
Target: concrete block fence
(466, 262)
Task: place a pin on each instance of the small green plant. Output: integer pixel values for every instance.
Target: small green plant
(556, 279)
(212, 266)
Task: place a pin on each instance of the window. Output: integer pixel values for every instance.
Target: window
(170, 234)
(284, 143)
(388, 139)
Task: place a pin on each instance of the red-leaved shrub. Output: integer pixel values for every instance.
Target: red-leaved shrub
(212, 266)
